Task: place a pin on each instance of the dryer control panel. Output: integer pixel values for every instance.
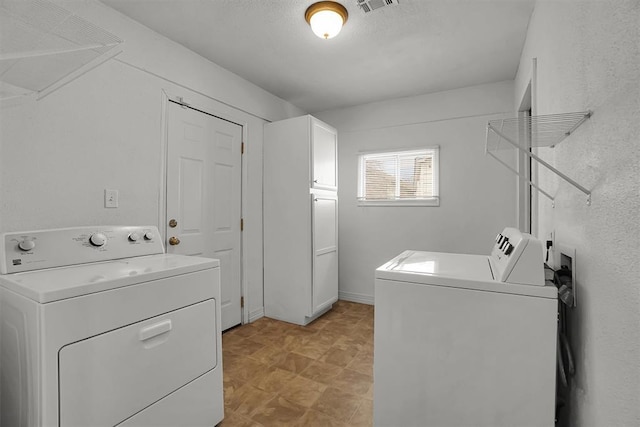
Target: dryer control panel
(517, 257)
(34, 250)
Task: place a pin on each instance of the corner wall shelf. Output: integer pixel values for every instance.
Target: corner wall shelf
(45, 46)
(534, 131)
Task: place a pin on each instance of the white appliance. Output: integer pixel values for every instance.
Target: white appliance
(300, 219)
(466, 340)
(99, 327)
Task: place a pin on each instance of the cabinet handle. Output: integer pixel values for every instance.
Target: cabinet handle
(155, 330)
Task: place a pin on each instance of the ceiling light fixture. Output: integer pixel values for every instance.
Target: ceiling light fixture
(326, 18)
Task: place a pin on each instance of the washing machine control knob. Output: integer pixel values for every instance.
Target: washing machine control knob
(134, 237)
(148, 235)
(508, 249)
(27, 244)
(98, 239)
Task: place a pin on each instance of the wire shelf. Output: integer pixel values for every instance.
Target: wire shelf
(43, 45)
(524, 133)
(537, 131)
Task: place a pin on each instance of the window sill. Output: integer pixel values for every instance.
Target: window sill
(396, 203)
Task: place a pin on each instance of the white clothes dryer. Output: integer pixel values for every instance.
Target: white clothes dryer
(466, 340)
(99, 327)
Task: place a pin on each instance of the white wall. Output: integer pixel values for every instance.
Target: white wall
(477, 194)
(588, 58)
(104, 130)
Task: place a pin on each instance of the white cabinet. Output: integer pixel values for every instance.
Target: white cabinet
(324, 215)
(324, 156)
(300, 219)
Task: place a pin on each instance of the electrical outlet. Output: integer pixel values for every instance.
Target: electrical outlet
(110, 198)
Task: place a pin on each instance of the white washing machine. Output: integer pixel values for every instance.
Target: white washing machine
(466, 340)
(99, 327)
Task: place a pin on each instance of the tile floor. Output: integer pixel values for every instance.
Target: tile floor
(279, 374)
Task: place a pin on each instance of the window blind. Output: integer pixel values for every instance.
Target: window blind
(401, 175)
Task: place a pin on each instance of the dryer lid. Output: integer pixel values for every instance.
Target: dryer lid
(55, 284)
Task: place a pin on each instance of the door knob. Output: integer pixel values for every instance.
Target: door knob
(173, 223)
(174, 241)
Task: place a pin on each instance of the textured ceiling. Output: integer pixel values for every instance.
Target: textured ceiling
(417, 47)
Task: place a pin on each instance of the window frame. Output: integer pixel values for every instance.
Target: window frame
(430, 201)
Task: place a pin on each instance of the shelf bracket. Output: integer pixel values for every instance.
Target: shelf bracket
(549, 196)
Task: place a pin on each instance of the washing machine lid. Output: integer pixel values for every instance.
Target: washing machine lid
(463, 266)
(55, 284)
(473, 272)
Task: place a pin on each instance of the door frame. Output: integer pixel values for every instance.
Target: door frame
(205, 106)
(527, 198)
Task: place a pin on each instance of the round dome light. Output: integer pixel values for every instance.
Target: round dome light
(326, 18)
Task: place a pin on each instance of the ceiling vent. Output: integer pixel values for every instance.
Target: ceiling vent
(371, 5)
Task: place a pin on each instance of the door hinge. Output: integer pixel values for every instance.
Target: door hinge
(242, 148)
(241, 224)
(241, 302)
(182, 102)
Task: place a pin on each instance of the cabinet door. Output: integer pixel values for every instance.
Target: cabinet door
(324, 159)
(325, 251)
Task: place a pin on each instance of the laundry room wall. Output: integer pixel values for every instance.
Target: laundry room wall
(477, 194)
(588, 58)
(104, 130)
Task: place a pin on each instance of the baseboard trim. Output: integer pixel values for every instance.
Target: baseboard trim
(354, 297)
(256, 314)
(347, 296)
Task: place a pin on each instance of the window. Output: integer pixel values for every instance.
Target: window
(399, 178)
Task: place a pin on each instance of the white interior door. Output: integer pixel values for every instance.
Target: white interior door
(204, 196)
